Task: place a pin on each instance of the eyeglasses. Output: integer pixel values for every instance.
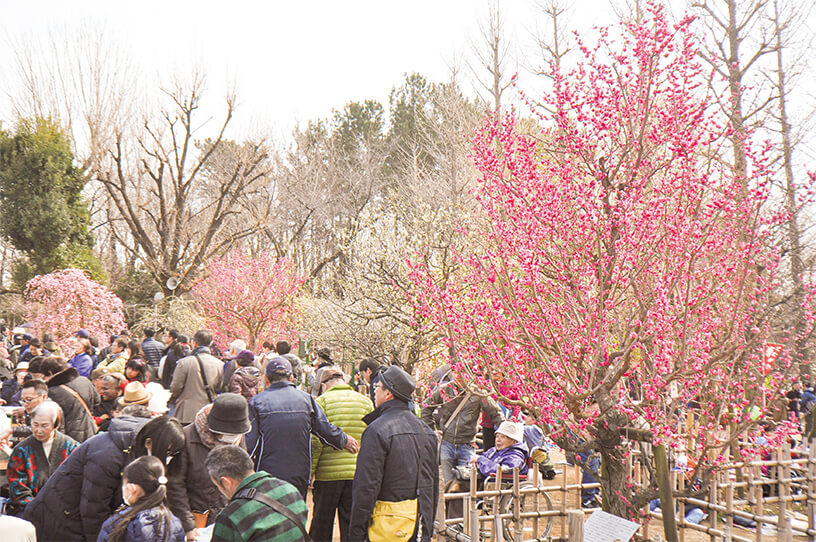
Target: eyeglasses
(28, 400)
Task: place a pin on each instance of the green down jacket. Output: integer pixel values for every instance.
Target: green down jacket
(345, 408)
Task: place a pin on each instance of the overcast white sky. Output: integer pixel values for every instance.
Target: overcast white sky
(289, 61)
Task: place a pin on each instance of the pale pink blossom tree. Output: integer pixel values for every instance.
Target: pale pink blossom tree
(249, 297)
(616, 276)
(65, 301)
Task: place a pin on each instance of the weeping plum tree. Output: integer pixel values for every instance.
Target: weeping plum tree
(250, 298)
(615, 277)
(65, 301)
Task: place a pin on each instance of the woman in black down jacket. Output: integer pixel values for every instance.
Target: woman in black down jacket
(85, 489)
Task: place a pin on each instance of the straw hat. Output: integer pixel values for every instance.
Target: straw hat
(135, 394)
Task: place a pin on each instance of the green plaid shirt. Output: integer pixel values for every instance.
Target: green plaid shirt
(249, 519)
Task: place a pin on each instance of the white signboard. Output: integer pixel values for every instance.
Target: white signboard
(604, 527)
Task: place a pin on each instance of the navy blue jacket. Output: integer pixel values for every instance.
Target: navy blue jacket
(147, 526)
(283, 418)
(85, 489)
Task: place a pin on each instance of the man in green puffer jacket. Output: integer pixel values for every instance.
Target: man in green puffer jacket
(333, 470)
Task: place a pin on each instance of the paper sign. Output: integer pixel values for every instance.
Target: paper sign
(604, 527)
(772, 351)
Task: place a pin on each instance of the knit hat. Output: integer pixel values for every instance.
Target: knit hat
(229, 414)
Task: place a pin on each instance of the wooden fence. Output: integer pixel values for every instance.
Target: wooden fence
(778, 495)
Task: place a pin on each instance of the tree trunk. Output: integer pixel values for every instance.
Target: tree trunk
(665, 489)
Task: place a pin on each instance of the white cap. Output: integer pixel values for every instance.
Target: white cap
(513, 430)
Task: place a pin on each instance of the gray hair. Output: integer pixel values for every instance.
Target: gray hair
(110, 379)
(228, 461)
(137, 411)
(237, 345)
(50, 410)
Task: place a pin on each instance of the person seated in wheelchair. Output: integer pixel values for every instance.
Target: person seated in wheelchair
(510, 452)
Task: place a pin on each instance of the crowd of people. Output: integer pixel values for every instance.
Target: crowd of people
(173, 439)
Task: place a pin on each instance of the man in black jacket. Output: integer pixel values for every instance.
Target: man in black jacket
(397, 460)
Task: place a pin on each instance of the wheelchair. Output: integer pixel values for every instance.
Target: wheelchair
(531, 529)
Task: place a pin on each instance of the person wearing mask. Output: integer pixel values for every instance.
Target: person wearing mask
(260, 507)
(85, 489)
(196, 379)
(146, 516)
(35, 458)
(198, 501)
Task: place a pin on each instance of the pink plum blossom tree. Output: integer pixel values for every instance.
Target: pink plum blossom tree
(616, 282)
(248, 297)
(65, 301)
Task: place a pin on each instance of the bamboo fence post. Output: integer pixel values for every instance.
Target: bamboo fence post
(472, 525)
(811, 485)
(681, 486)
(537, 483)
(517, 505)
(729, 510)
(564, 500)
(712, 517)
(781, 493)
(576, 526)
(498, 532)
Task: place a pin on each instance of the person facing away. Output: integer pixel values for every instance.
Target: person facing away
(188, 390)
(146, 516)
(260, 507)
(333, 470)
(282, 418)
(246, 380)
(152, 348)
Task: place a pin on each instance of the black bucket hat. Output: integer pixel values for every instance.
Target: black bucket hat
(229, 414)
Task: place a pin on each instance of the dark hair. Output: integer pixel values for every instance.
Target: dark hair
(166, 436)
(51, 366)
(203, 337)
(147, 472)
(37, 385)
(282, 348)
(277, 376)
(148, 332)
(135, 349)
(369, 363)
(228, 461)
(173, 333)
(179, 348)
(47, 337)
(139, 365)
(267, 345)
(124, 333)
(35, 342)
(120, 342)
(35, 365)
